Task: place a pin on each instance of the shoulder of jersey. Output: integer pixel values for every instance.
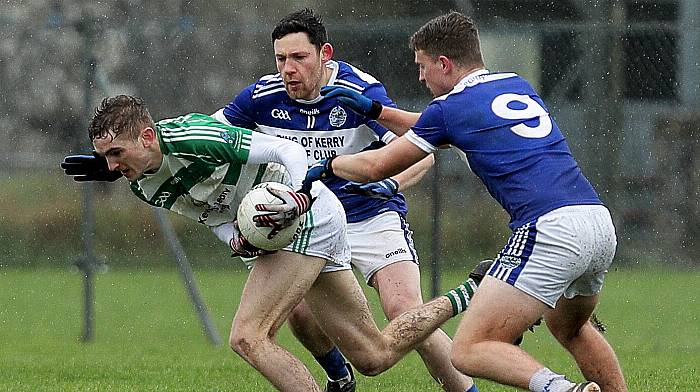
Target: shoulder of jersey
(476, 80)
(353, 78)
(268, 85)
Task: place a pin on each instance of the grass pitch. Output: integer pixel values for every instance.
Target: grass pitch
(148, 338)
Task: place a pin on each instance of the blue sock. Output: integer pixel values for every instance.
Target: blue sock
(333, 363)
(473, 389)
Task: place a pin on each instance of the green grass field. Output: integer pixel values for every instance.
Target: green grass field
(148, 337)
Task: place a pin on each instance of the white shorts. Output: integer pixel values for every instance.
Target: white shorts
(564, 252)
(325, 231)
(379, 241)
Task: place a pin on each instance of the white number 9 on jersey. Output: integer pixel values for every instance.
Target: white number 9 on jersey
(531, 110)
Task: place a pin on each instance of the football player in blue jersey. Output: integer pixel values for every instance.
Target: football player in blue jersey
(563, 238)
(289, 105)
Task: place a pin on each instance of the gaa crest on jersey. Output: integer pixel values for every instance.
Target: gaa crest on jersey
(337, 116)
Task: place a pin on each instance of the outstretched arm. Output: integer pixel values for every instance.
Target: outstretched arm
(414, 174)
(396, 120)
(368, 166)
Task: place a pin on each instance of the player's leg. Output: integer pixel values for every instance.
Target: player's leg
(324, 236)
(341, 308)
(497, 315)
(569, 324)
(541, 260)
(383, 251)
(276, 284)
(307, 331)
(398, 286)
(305, 328)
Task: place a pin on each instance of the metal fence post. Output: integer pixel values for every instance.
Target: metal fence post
(436, 244)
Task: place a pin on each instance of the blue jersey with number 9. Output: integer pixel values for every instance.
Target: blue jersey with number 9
(511, 143)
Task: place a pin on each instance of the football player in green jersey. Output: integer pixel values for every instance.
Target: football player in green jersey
(201, 168)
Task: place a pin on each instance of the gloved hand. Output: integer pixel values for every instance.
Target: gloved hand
(384, 189)
(317, 171)
(294, 204)
(241, 247)
(355, 101)
(89, 168)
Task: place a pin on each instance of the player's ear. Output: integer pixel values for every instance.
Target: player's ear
(445, 64)
(148, 137)
(326, 52)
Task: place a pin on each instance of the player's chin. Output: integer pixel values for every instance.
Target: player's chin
(129, 174)
(294, 94)
(295, 91)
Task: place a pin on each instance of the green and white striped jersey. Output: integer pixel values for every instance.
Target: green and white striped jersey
(206, 169)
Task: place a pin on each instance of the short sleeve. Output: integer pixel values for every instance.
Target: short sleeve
(240, 111)
(430, 129)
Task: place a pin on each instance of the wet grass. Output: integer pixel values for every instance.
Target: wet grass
(148, 338)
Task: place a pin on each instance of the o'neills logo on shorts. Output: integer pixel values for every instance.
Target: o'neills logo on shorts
(396, 252)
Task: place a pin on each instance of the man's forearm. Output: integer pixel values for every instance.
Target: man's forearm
(396, 120)
(356, 167)
(414, 174)
(375, 165)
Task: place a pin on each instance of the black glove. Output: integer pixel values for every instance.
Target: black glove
(89, 168)
(375, 145)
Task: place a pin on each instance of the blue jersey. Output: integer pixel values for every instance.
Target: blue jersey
(325, 127)
(510, 142)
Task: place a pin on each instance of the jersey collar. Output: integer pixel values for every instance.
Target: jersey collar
(470, 78)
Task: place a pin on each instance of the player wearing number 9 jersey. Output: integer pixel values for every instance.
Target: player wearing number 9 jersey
(563, 238)
(510, 142)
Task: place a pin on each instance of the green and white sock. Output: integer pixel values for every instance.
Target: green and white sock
(461, 295)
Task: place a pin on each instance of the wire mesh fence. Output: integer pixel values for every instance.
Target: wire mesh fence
(615, 74)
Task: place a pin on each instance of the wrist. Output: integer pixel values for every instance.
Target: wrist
(375, 110)
(329, 166)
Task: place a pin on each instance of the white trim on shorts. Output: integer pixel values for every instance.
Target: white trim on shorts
(564, 252)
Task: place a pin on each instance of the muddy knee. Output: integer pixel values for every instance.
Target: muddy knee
(243, 341)
(370, 364)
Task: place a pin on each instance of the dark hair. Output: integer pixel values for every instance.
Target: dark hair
(120, 114)
(302, 21)
(453, 35)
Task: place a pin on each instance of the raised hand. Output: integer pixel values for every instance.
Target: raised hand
(354, 100)
(89, 168)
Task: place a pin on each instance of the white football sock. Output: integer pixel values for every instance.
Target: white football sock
(546, 380)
